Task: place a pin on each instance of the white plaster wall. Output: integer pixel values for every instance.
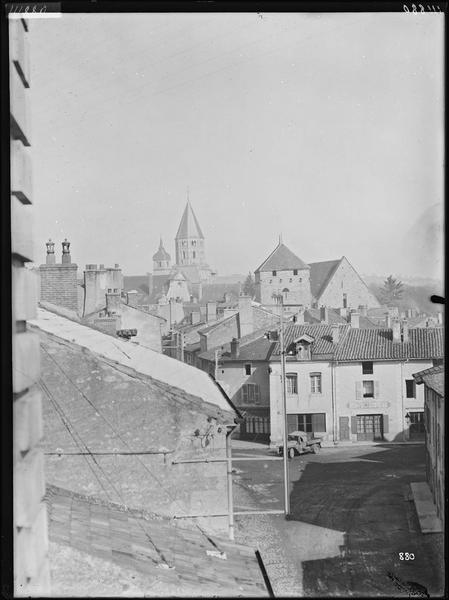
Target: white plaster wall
(391, 400)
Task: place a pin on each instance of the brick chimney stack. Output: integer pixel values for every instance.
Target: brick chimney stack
(66, 258)
(405, 333)
(396, 328)
(245, 317)
(324, 314)
(354, 319)
(363, 310)
(58, 281)
(388, 320)
(51, 259)
(335, 329)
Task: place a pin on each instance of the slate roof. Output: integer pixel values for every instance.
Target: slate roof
(162, 368)
(433, 378)
(189, 226)
(186, 564)
(320, 275)
(282, 259)
(253, 346)
(322, 344)
(313, 315)
(377, 344)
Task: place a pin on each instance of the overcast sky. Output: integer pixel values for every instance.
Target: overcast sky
(327, 128)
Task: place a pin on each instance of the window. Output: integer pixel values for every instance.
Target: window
(367, 368)
(345, 300)
(248, 369)
(310, 423)
(273, 273)
(416, 423)
(193, 243)
(250, 393)
(292, 383)
(315, 383)
(295, 271)
(368, 389)
(410, 388)
(194, 254)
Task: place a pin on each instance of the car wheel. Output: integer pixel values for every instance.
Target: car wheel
(316, 448)
(291, 452)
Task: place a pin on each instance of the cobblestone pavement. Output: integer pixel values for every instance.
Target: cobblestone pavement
(352, 516)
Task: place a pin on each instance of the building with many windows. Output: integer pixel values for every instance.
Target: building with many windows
(343, 383)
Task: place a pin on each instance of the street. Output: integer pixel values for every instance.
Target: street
(351, 520)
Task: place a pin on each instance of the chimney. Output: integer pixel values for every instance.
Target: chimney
(388, 320)
(59, 281)
(113, 301)
(335, 333)
(235, 348)
(405, 336)
(396, 327)
(203, 312)
(354, 319)
(440, 318)
(245, 315)
(324, 314)
(66, 258)
(195, 317)
(299, 317)
(343, 312)
(131, 298)
(363, 310)
(50, 260)
(211, 311)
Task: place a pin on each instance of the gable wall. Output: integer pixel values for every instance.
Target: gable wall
(346, 281)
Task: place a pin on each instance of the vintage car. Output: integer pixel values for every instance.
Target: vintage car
(299, 443)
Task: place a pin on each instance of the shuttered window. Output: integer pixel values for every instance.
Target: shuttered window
(292, 383)
(315, 383)
(368, 389)
(410, 388)
(250, 393)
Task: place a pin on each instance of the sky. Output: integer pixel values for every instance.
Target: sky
(325, 128)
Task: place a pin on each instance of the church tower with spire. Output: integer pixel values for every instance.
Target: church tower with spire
(161, 261)
(189, 240)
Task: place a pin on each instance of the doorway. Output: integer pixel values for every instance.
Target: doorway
(369, 428)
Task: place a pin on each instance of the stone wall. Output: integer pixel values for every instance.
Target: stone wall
(112, 411)
(346, 281)
(31, 568)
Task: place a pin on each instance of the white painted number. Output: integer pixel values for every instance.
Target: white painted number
(406, 556)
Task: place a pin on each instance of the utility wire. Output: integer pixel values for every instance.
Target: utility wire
(66, 422)
(97, 411)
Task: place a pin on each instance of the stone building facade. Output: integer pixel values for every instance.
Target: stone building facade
(30, 538)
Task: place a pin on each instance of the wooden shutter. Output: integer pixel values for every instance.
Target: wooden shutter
(292, 423)
(353, 424)
(385, 423)
(358, 390)
(256, 394)
(376, 389)
(244, 393)
(319, 422)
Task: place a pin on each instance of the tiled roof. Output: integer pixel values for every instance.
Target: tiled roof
(433, 378)
(282, 259)
(322, 344)
(377, 344)
(189, 226)
(138, 358)
(185, 563)
(217, 324)
(253, 346)
(320, 275)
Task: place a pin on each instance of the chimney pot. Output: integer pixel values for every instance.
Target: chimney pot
(405, 332)
(66, 258)
(354, 319)
(324, 314)
(235, 348)
(50, 259)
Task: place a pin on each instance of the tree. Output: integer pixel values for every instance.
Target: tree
(392, 291)
(249, 286)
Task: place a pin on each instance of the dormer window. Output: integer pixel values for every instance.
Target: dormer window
(274, 273)
(295, 271)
